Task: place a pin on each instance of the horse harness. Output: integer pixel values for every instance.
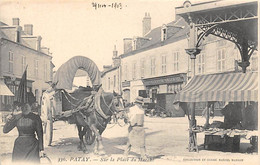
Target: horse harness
(95, 102)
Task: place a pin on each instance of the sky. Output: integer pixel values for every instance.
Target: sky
(77, 28)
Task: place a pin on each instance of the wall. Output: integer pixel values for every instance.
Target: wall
(110, 75)
(31, 55)
(157, 53)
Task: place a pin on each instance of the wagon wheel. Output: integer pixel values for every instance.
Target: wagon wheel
(90, 136)
(48, 129)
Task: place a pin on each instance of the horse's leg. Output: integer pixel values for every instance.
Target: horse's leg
(80, 138)
(81, 133)
(100, 147)
(96, 147)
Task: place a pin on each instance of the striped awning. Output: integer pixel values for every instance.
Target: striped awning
(221, 87)
(4, 90)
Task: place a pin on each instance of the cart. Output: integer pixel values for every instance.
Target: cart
(52, 111)
(52, 100)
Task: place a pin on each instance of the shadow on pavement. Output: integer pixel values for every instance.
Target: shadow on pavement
(111, 144)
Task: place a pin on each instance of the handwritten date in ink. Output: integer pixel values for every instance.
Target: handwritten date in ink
(111, 5)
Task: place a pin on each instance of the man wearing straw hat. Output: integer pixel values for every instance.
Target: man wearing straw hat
(136, 133)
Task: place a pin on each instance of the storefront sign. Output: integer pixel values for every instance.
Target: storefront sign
(164, 80)
(126, 84)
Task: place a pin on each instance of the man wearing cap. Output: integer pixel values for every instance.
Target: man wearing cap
(136, 133)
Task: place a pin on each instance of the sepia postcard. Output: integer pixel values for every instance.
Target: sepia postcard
(129, 82)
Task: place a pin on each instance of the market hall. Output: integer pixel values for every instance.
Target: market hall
(237, 22)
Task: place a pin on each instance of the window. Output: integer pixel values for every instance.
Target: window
(134, 70)
(114, 81)
(23, 63)
(108, 83)
(142, 68)
(164, 33)
(201, 63)
(126, 72)
(45, 71)
(153, 66)
(221, 60)
(134, 43)
(11, 62)
(36, 67)
(163, 64)
(176, 61)
(18, 37)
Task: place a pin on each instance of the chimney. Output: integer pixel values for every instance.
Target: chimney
(28, 29)
(116, 59)
(127, 45)
(38, 46)
(146, 23)
(115, 52)
(16, 21)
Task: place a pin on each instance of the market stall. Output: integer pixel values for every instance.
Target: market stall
(240, 92)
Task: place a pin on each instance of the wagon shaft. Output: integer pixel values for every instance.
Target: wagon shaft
(85, 104)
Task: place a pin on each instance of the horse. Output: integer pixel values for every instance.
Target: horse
(91, 120)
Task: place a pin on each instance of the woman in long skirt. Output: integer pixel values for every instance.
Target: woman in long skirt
(27, 148)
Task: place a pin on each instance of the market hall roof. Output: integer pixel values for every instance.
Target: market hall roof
(178, 30)
(221, 87)
(238, 17)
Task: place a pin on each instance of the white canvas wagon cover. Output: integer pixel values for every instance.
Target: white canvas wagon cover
(221, 87)
(66, 73)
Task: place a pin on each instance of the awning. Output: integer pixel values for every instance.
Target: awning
(221, 87)
(4, 90)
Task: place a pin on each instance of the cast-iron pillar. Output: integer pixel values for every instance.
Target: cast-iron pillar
(192, 123)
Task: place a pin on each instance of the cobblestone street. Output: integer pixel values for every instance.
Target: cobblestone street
(166, 141)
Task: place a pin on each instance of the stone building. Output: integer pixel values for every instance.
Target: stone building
(19, 48)
(156, 65)
(111, 75)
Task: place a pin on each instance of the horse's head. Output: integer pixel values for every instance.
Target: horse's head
(117, 102)
(119, 108)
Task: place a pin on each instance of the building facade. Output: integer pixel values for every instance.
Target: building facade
(111, 75)
(19, 49)
(156, 64)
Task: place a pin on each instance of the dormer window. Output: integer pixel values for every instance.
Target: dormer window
(164, 33)
(18, 37)
(134, 43)
(18, 34)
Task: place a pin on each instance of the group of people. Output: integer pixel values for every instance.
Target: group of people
(28, 147)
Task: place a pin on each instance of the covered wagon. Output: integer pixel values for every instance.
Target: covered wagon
(58, 104)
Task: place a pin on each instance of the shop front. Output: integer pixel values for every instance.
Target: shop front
(12, 84)
(162, 90)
